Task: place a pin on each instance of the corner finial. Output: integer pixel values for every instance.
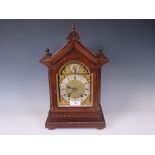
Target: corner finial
(100, 52)
(47, 53)
(47, 50)
(100, 49)
(101, 57)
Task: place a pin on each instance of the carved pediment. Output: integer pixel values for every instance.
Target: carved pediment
(73, 49)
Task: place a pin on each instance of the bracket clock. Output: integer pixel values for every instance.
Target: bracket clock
(74, 82)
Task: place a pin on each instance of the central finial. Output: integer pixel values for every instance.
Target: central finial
(72, 27)
(73, 35)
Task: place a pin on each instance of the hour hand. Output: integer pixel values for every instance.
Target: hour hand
(69, 87)
(69, 94)
(74, 88)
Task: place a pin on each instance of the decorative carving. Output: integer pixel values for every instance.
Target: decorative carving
(91, 124)
(75, 120)
(73, 35)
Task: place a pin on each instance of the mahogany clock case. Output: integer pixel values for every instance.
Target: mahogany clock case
(127, 82)
(74, 117)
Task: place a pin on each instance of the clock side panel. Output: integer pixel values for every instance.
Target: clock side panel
(53, 89)
(99, 85)
(96, 87)
(50, 87)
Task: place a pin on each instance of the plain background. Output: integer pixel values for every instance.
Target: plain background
(128, 87)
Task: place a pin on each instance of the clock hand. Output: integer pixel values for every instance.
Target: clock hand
(69, 87)
(74, 88)
(70, 93)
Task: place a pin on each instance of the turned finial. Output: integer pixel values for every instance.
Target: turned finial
(100, 52)
(101, 56)
(73, 35)
(47, 52)
(72, 27)
(100, 49)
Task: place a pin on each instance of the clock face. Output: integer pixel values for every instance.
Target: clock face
(74, 85)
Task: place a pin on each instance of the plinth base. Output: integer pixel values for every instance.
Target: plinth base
(75, 120)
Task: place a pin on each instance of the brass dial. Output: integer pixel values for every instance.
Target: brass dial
(74, 83)
(75, 88)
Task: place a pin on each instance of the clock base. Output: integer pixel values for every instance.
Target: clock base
(75, 120)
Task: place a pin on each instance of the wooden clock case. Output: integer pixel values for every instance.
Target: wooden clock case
(74, 117)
